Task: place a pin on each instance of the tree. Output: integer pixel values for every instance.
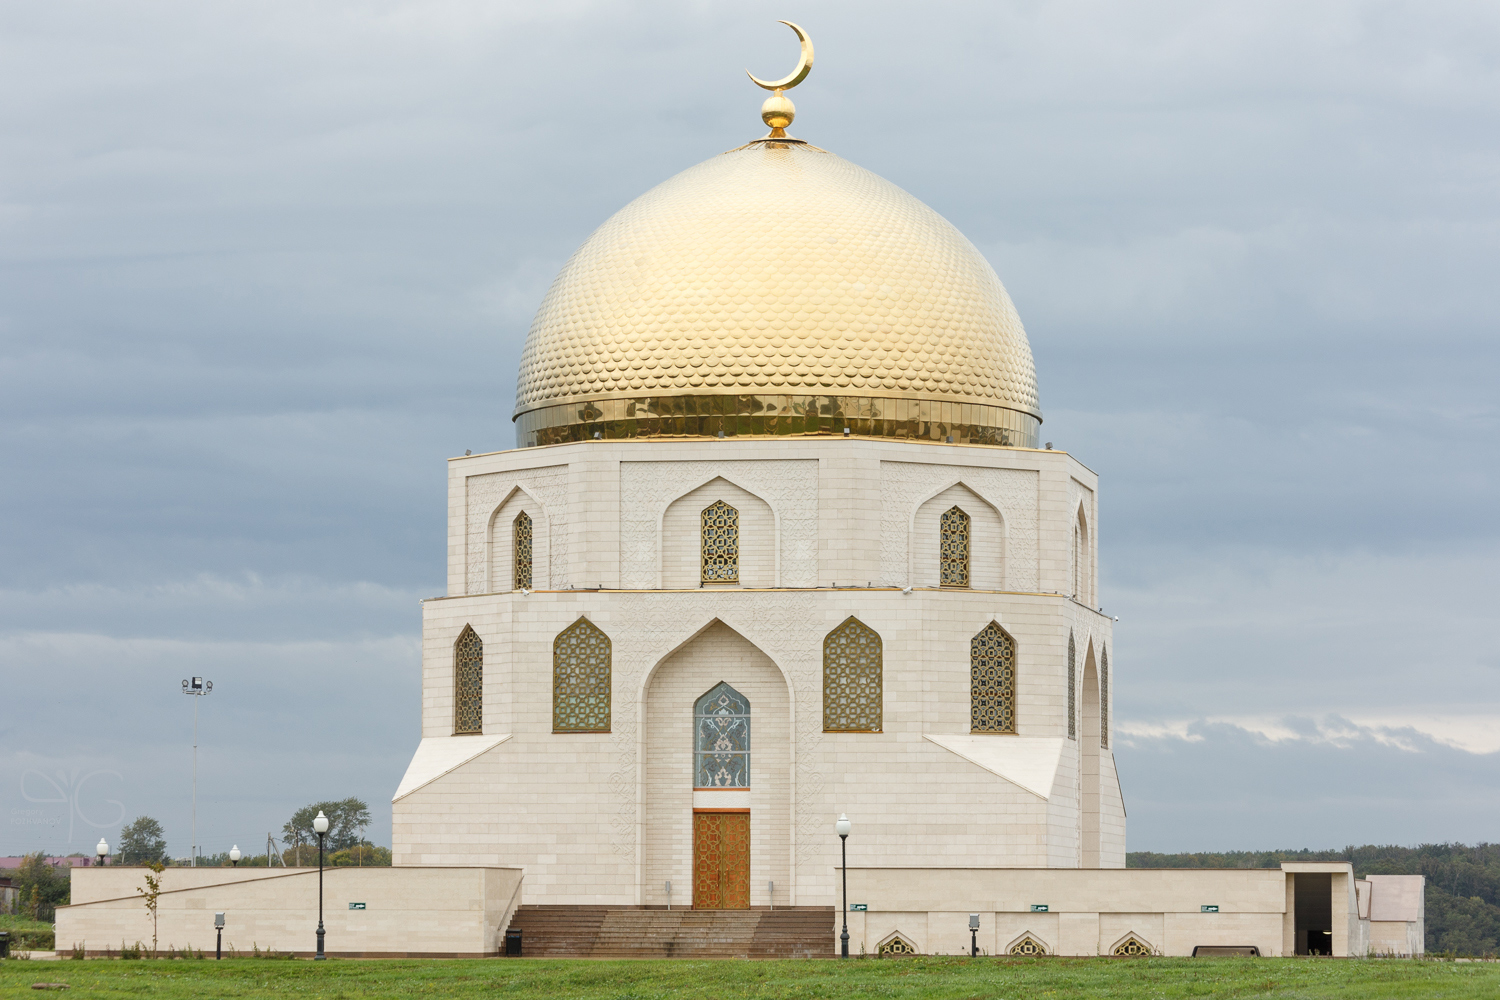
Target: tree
(40, 887)
(346, 824)
(361, 855)
(152, 891)
(142, 842)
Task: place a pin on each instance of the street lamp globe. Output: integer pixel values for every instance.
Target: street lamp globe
(102, 850)
(842, 827)
(321, 823)
(234, 855)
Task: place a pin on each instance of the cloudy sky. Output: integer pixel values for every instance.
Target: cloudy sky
(265, 265)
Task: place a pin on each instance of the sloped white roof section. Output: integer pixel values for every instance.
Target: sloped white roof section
(437, 755)
(1028, 761)
(1395, 897)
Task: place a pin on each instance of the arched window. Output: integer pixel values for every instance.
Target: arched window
(1104, 697)
(522, 535)
(1072, 689)
(1082, 591)
(581, 679)
(954, 536)
(992, 681)
(721, 543)
(721, 720)
(468, 683)
(852, 679)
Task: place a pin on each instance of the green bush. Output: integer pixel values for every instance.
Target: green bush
(26, 934)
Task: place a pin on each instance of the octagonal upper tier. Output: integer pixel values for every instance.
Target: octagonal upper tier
(777, 288)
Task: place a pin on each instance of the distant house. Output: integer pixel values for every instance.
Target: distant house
(72, 861)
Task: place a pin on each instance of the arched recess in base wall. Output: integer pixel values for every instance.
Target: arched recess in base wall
(681, 536)
(986, 539)
(502, 543)
(714, 654)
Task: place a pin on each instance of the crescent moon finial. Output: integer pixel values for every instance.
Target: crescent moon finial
(804, 65)
(778, 111)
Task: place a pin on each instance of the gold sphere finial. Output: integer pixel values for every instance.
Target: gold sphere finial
(778, 110)
(777, 113)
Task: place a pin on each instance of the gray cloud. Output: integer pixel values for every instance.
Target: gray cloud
(264, 266)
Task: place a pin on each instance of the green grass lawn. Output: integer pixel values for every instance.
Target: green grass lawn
(959, 978)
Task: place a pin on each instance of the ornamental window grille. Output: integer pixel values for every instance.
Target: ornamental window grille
(896, 947)
(1104, 697)
(468, 683)
(721, 721)
(581, 679)
(954, 537)
(992, 681)
(1027, 946)
(1072, 689)
(721, 543)
(1132, 947)
(852, 695)
(522, 536)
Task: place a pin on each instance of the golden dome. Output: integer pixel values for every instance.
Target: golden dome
(777, 289)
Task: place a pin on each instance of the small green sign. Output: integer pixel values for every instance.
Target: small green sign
(1208, 909)
(356, 906)
(859, 907)
(1038, 907)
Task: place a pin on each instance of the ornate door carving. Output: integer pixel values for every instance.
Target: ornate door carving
(721, 861)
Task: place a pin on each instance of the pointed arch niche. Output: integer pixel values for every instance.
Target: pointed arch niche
(682, 535)
(1089, 765)
(986, 540)
(715, 660)
(503, 542)
(1080, 562)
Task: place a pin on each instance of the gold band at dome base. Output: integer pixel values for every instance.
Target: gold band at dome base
(762, 415)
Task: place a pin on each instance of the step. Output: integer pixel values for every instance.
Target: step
(635, 932)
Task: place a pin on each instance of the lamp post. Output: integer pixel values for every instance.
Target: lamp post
(199, 687)
(219, 944)
(234, 855)
(842, 828)
(973, 935)
(321, 826)
(103, 851)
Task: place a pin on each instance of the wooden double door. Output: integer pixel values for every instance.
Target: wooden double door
(721, 860)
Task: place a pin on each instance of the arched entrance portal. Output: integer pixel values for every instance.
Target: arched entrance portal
(717, 804)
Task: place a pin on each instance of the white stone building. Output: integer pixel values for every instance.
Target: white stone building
(779, 434)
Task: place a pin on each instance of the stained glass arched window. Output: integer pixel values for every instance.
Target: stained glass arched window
(581, 679)
(954, 540)
(1104, 697)
(468, 683)
(992, 681)
(721, 720)
(1072, 689)
(852, 679)
(721, 543)
(522, 536)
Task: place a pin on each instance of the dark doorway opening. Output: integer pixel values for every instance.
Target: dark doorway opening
(1313, 896)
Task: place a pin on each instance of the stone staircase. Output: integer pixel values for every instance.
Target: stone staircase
(633, 932)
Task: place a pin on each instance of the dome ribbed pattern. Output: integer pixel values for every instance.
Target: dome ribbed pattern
(777, 268)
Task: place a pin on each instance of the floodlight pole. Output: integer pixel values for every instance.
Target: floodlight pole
(199, 687)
